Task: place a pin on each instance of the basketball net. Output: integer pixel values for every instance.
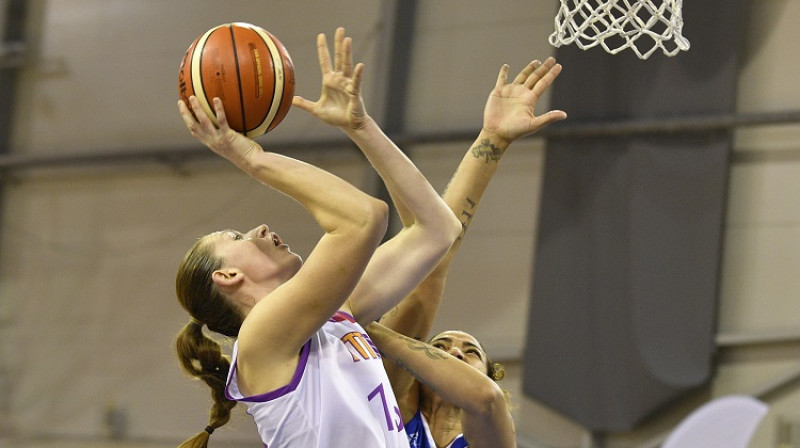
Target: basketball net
(641, 25)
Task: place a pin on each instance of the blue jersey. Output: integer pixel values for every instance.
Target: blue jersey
(419, 434)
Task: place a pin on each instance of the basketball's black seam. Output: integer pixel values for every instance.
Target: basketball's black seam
(238, 80)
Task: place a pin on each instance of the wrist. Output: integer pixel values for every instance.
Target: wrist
(498, 141)
(361, 127)
(366, 133)
(489, 147)
(248, 157)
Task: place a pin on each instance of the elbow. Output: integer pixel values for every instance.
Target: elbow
(455, 228)
(490, 400)
(376, 217)
(441, 234)
(449, 230)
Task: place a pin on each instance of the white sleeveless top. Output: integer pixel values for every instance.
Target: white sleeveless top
(339, 396)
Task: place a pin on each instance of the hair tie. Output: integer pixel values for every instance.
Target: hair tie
(209, 430)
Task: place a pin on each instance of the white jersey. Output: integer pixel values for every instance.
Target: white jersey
(339, 395)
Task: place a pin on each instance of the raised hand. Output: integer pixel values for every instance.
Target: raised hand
(340, 103)
(510, 110)
(221, 139)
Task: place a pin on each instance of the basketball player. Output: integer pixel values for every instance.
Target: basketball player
(459, 377)
(302, 363)
(456, 409)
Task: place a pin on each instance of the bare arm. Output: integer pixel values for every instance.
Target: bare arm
(353, 223)
(485, 419)
(402, 262)
(508, 115)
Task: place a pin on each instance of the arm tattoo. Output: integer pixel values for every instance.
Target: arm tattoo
(431, 352)
(466, 217)
(486, 150)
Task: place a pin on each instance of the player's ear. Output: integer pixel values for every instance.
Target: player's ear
(227, 277)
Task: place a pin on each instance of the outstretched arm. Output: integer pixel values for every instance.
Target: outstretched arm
(353, 222)
(430, 228)
(485, 419)
(509, 114)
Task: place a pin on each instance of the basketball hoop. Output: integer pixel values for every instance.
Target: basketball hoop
(641, 25)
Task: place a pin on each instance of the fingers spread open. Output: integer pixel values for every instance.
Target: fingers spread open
(338, 49)
(502, 77)
(550, 117)
(527, 71)
(302, 103)
(357, 78)
(347, 57)
(540, 71)
(323, 53)
(544, 82)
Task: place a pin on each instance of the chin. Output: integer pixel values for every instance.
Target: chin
(298, 263)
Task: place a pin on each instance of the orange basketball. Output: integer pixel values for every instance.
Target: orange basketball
(247, 68)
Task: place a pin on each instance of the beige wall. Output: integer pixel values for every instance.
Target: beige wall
(88, 256)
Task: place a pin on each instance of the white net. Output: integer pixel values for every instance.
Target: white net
(644, 26)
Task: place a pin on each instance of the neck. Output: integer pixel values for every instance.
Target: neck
(248, 295)
(443, 418)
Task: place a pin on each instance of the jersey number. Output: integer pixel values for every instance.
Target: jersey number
(390, 425)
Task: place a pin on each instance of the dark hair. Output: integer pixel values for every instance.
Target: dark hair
(200, 356)
(494, 370)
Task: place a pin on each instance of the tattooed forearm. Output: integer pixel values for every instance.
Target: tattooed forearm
(413, 373)
(486, 150)
(466, 216)
(431, 352)
(471, 205)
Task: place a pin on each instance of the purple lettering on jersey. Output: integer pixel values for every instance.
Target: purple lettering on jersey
(399, 421)
(379, 391)
(372, 344)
